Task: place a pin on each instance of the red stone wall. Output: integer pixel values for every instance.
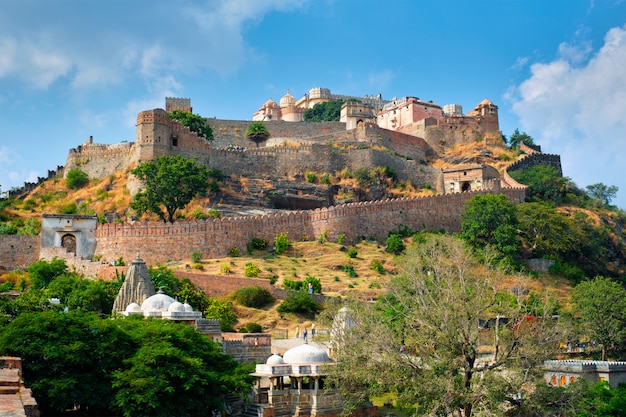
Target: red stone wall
(160, 242)
(18, 251)
(216, 285)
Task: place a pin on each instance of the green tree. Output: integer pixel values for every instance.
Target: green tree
(601, 311)
(329, 111)
(197, 124)
(544, 183)
(490, 219)
(222, 311)
(516, 138)
(424, 337)
(604, 193)
(257, 132)
(170, 184)
(76, 179)
(547, 232)
(42, 271)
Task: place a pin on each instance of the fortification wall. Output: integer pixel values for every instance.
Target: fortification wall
(530, 160)
(232, 132)
(99, 160)
(17, 252)
(160, 242)
(216, 285)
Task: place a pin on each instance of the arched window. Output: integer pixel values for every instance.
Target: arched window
(563, 381)
(553, 380)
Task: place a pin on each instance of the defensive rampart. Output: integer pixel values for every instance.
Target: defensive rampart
(160, 242)
(18, 251)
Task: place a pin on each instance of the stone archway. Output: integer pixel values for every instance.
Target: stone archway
(68, 241)
(466, 186)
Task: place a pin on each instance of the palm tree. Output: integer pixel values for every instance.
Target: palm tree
(257, 132)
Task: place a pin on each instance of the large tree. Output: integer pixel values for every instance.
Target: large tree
(601, 310)
(490, 219)
(517, 138)
(329, 111)
(195, 123)
(257, 132)
(423, 342)
(170, 184)
(602, 192)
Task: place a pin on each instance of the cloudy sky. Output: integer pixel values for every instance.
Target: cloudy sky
(72, 69)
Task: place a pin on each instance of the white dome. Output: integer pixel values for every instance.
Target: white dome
(133, 308)
(188, 308)
(176, 306)
(306, 354)
(275, 360)
(159, 302)
(287, 100)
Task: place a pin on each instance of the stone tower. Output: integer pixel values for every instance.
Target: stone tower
(154, 135)
(136, 288)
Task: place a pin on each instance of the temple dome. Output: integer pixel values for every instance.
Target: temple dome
(159, 302)
(275, 360)
(269, 103)
(188, 308)
(306, 354)
(176, 306)
(287, 100)
(133, 308)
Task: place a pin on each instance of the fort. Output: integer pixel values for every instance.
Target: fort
(295, 147)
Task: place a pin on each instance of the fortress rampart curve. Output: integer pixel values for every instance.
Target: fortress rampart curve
(160, 242)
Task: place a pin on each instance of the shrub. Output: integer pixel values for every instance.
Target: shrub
(251, 270)
(290, 284)
(377, 266)
(273, 279)
(76, 179)
(340, 238)
(352, 253)
(253, 327)
(325, 179)
(298, 302)
(281, 243)
(214, 213)
(256, 244)
(567, 270)
(254, 297)
(395, 244)
(225, 268)
(198, 214)
(234, 252)
(323, 237)
(310, 176)
(349, 269)
(196, 256)
(197, 266)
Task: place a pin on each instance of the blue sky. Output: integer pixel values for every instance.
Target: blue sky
(70, 69)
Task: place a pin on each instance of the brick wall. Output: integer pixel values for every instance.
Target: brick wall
(216, 285)
(18, 251)
(160, 242)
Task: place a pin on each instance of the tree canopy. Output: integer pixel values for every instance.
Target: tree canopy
(257, 132)
(197, 124)
(490, 219)
(601, 310)
(329, 111)
(604, 193)
(425, 337)
(171, 182)
(516, 138)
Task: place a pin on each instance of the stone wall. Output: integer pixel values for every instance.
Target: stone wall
(98, 160)
(159, 242)
(17, 252)
(216, 285)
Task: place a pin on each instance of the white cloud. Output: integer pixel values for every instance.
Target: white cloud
(575, 107)
(379, 80)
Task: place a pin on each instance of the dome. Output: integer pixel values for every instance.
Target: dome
(275, 360)
(288, 100)
(159, 302)
(188, 308)
(133, 308)
(305, 354)
(269, 103)
(176, 306)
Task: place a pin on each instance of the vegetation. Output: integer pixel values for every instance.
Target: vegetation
(257, 132)
(517, 138)
(329, 111)
(255, 297)
(197, 124)
(76, 179)
(298, 302)
(281, 243)
(426, 337)
(170, 184)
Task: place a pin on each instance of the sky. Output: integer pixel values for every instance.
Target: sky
(71, 69)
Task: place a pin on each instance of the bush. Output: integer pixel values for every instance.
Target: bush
(395, 244)
(253, 327)
(214, 213)
(234, 252)
(76, 179)
(352, 253)
(225, 268)
(290, 284)
(254, 297)
(340, 238)
(43, 272)
(196, 256)
(250, 270)
(349, 269)
(256, 244)
(298, 302)
(377, 266)
(325, 179)
(567, 270)
(310, 176)
(281, 243)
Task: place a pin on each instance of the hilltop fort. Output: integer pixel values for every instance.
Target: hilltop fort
(404, 134)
